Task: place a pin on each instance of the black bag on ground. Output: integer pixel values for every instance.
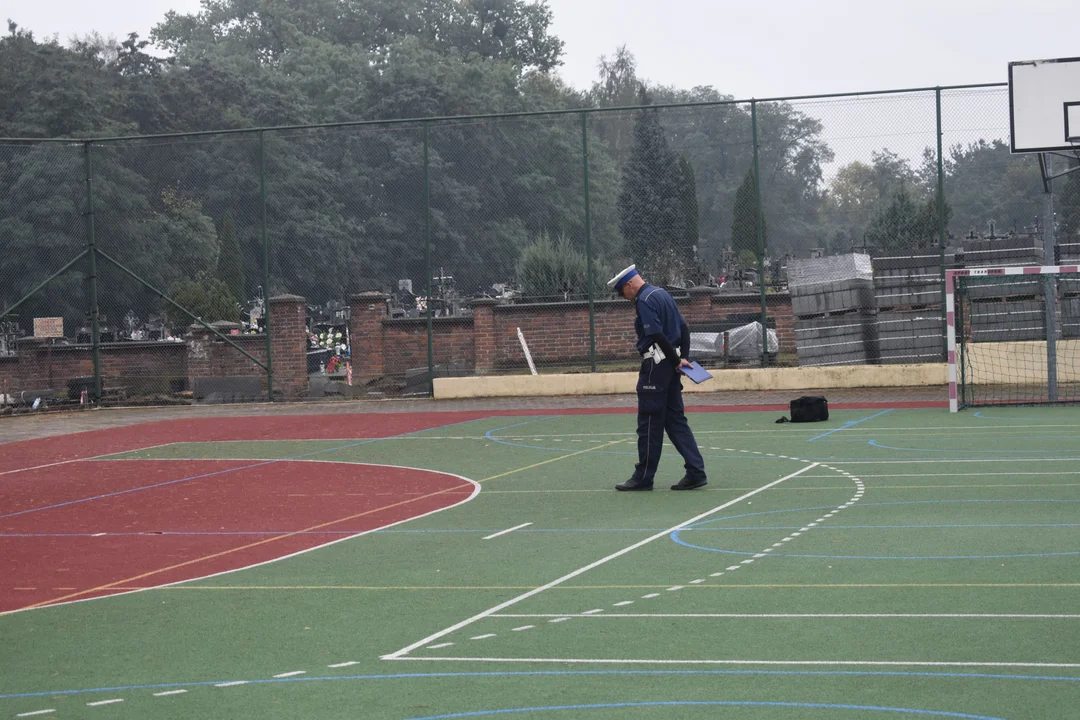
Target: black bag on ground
(808, 408)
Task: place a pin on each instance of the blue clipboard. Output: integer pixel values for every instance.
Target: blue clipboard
(696, 373)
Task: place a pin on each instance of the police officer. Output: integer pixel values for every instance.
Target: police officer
(663, 339)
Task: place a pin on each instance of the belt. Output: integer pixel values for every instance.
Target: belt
(655, 354)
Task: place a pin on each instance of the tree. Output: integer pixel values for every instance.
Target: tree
(859, 190)
(744, 223)
(230, 269)
(558, 268)
(205, 296)
(985, 182)
(905, 225)
(652, 203)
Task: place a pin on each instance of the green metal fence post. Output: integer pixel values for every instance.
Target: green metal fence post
(588, 238)
(758, 217)
(427, 265)
(941, 224)
(266, 266)
(91, 252)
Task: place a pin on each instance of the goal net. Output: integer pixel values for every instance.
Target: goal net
(1013, 336)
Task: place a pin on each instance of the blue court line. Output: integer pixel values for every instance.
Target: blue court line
(714, 703)
(222, 472)
(563, 673)
(848, 424)
(491, 437)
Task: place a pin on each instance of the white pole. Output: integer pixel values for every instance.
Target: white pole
(525, 347)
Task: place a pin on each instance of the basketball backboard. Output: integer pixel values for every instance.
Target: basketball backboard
(1044, 105)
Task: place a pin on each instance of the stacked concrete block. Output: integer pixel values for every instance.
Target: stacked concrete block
(910, 337)
(832, 299)
(839, 296)
(850, 339)
(1009, 251)
(906, 281)
(1006, 320)
(1069, 319)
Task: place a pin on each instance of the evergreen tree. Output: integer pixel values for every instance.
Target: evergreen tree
(744, 239)
(651, 216)
(230, 267)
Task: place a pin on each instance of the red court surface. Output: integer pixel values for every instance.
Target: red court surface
(93, 528)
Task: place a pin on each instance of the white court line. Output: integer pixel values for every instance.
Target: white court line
(170, 692)
(844, 616)
(816, 663)
(294, 673)
(105, 702)
(36, 712)
(508, 530)
(941, 461)
(970, 474)
(95, 457)
(231, 684)
(580, 571)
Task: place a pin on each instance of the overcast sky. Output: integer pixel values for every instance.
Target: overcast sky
(764, 49)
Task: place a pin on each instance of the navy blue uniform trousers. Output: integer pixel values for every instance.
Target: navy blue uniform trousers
(660, 410)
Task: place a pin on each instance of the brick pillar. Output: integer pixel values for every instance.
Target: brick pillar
(288, 345)
(367, 311)
(484, 333)
(700, 309)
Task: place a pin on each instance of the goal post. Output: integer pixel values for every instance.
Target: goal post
(1013, 335)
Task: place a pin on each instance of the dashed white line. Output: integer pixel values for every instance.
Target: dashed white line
(523, 627)
(673, 588)
(36, 712)
(231, 684)
(440, 645)
(559, 619)
(170, 692)
(485, 637)
(716, 574)
(733, 567)
(293, 673)
(624, 602)
(697, 582)
(593, 612)
(105, 702)
(650, 596)
(344, 664)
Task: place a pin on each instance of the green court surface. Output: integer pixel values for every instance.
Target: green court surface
(883, 564)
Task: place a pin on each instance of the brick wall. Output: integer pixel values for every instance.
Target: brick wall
(140, 368)
(404, 344)
(557, 333)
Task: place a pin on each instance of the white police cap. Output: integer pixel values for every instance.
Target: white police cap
(619, 280)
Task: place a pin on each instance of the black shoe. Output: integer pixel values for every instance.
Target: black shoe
(689, 483)
(634, 483)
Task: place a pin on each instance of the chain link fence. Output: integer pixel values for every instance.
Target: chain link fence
(365, 259)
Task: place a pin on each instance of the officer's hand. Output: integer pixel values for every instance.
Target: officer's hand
(684, 363)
